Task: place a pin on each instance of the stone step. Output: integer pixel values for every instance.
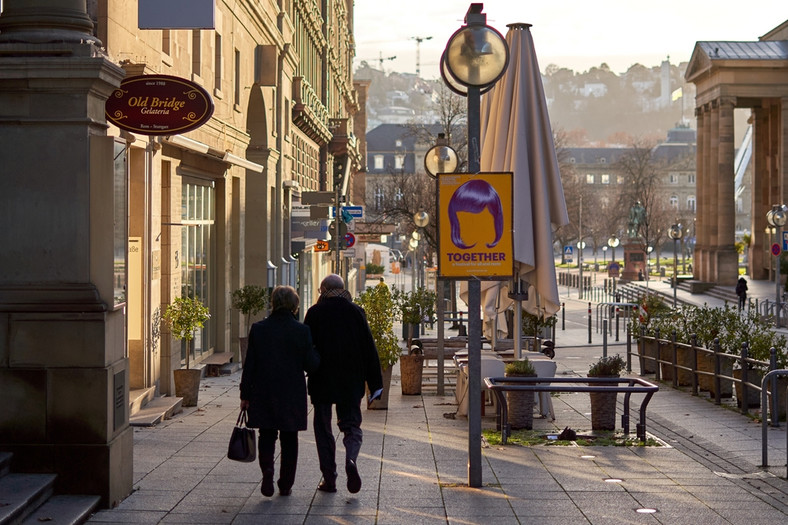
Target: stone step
(156, 411)
(138, 398)
(64, 510)
(20, 494)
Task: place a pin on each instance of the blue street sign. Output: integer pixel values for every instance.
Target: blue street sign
(568, 250)
(785, 241)
(357, 212)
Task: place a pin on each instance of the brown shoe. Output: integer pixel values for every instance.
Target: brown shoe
(325, 486)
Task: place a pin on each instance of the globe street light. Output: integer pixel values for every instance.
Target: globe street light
(441, 158)
(675, 234)
(613, 242)
(475, 58)
(776, 218)
(421, 219)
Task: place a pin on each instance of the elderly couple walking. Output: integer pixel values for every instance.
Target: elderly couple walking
(335, 348)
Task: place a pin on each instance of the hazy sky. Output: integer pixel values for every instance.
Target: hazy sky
(578, 34)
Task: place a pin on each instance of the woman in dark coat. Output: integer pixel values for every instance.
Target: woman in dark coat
(273, 387)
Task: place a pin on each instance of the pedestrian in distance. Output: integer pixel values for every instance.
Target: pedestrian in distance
(273, 387)
(741, 292)
(348, 359)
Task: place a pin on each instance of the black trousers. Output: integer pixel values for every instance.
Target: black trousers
(349, 421)
(288, 461)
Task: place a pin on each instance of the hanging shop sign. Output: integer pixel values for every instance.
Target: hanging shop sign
(158, 105)
(475, 226)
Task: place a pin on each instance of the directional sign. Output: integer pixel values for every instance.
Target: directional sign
(350, 239)
(785, 241)
(357, 212)
(322, 246)
(776, 249)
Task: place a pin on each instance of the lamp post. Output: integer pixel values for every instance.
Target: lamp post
(475, 57)
(414, 248)
(441, 158)
(421, 219)
(675, 234)
(604, 256)
(613, 242)
(580, 245)
(776, 218)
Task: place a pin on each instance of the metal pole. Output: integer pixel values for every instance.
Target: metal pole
(675, 270)
(589, 323)
(338, 241)
(580, 248)
(474, 317)
(441, 285)
(604, 337)
(777, 281)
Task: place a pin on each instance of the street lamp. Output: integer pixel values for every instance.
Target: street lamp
(604, 256)
(675, 234)
(475, 58)
(441, 158)
(776, 218)
(580, 246)
(613, 242)
(421, 219)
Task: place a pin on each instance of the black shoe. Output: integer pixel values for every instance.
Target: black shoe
(284, 491)
(267, 488)
(353, 479)
(325, 486)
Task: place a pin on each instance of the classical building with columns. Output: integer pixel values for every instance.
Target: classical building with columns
(103, 228)
(729, 76)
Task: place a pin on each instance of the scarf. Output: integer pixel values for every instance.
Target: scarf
(336, 292)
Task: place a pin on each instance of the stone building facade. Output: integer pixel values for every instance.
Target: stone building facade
(204, 212)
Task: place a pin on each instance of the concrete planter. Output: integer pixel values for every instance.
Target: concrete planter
(603, 408)
(187, 385)
(411, 369)
(521, 407)
(383, 402)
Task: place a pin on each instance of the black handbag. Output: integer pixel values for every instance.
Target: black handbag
(243, 446)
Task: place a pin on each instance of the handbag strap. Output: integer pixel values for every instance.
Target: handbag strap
(242, 418)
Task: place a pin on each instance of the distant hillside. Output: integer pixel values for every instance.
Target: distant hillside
(596, 107)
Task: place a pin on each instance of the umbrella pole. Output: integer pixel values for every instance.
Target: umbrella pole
(518, 330)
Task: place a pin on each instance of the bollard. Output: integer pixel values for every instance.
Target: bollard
(629, 349)
(617, 323)
(745, 395)
(604, 338)
(774, 406)
(563, 317)
(589, 323)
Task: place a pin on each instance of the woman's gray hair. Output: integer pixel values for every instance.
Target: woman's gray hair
(284, 297)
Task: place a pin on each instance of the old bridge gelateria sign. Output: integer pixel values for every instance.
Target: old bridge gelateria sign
(475, 226)
(158, 105)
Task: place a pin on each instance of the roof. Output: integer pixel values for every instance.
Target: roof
(764, 50)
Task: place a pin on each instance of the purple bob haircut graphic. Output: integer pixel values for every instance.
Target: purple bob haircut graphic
(475, 196)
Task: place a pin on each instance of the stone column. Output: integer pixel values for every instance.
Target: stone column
(759, 255)
(63, 364)
(700, 181)
(712, 209)
(727, 259)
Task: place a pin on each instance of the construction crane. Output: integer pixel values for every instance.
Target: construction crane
(380, 59)
(419, 40)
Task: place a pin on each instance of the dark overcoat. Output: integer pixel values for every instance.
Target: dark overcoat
(348, 356)
(280, 351)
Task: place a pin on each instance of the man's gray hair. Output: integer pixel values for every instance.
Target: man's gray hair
(332, 282)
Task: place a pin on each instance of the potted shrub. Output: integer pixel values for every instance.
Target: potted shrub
(603, 404)
(520, 404)
(250, 300)
(184, 316)
(379, 307)
(412, 308)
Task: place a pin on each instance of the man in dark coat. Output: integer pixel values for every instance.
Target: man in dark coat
(348, 359)
(273, 387)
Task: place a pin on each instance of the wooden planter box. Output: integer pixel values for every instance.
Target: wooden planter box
(683, 358)
(411, 370)
(603, 408)
(521, 408)
(706, 383)
(753, 396)
(647, 348)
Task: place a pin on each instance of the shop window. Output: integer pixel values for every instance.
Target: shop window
(589, 178)
(197, 255)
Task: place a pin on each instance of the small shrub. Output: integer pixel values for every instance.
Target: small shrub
(607, 366)
(520, 368)
(374, 269)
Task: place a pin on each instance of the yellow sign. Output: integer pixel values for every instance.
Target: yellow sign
(475, 226)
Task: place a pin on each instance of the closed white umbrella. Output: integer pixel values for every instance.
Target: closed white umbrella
(516, 136)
